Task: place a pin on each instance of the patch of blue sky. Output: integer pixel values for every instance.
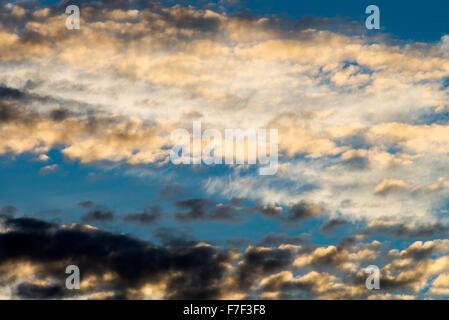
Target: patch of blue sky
(429, 116)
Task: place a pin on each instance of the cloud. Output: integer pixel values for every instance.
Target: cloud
(259, 261)
(10, 93)
(99, 215)
(269, 211)
(48, 169)
(420, 250)
(390, 185)
(174, 237)
(34, 291)
(303, 210)
(204, 209)
(26, 224)
(119, 266)
(148, 216)
(313, 284)
(273, 239)
(409, 230)
(8, 210)
(197, 209)
(332, 224)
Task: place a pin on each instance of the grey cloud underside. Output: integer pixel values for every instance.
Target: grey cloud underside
(426, 230)
(98, 215)
(60, 108)
(198, 269)
(186, 269)
(204, 209)
(149, 215)
(273, 239)
(333, 224)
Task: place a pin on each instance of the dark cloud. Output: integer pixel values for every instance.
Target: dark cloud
(351, 240)
(400, 230)
(310, 288)
(174, 237)
(300, 211)
(356, 163)
(194, 272)
(32, 291)
(187, 270)
(227, 212)
(14, 94)
(182, 18)
(26, 224)
(204, 209)
(150, 215)
(304, 210)
(13, 100)
(268, 211)
(60, 114)
(259, 261)
(8, 210)
(419, 253)
(332, 224)
(330, 258)
(10, 93)
(10, 112)
(99, 215)
(273, 239)
(197, 209)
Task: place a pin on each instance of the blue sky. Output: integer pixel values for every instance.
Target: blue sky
(407, 20)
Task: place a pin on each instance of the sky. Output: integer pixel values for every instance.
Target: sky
(86, 124)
